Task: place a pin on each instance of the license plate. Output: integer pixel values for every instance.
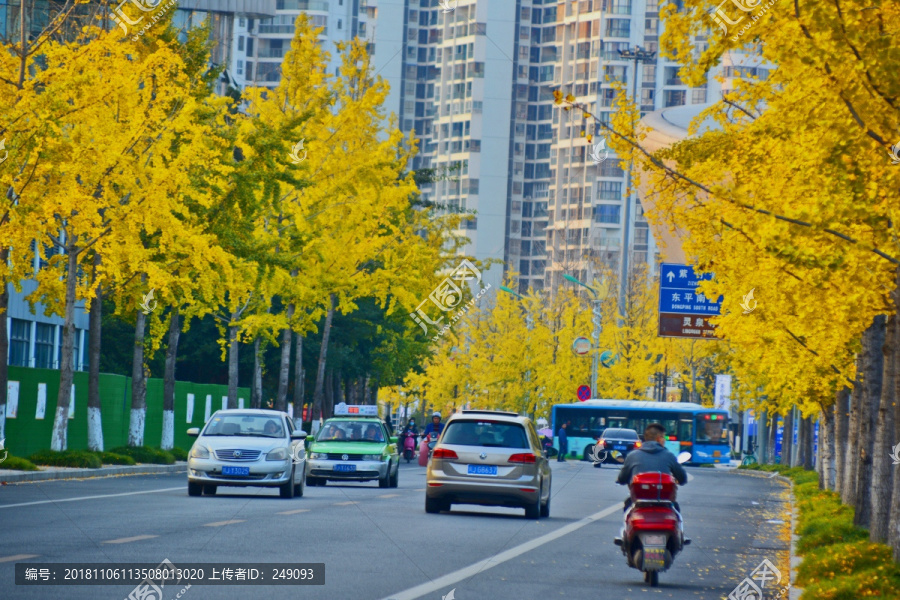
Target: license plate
(482, 470)
(344, 467)
(618, 447)
(235, 471)
(654, 540)
(654, 559)
(717, 453)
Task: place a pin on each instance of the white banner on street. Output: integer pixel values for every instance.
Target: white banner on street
(723, 393)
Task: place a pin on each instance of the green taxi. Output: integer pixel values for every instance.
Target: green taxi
(353, 449)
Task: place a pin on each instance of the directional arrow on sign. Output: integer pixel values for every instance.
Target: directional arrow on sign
(671, 276)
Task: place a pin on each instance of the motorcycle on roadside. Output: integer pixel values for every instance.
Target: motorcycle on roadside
(653, 533)
(409, 446)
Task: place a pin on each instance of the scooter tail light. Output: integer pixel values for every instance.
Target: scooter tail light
(637, 444)
(444, 453)
(525, 458)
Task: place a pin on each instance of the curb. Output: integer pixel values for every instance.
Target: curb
(795, 592)
(93, 473)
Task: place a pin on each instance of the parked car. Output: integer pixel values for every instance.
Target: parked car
(353, 449)
(490, 458)
(247, 447)
(617, 440)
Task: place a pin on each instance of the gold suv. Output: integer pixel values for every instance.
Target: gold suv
(491, 458)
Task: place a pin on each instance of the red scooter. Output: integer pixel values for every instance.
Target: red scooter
(653, 533)
(409, 446)
(426, 446)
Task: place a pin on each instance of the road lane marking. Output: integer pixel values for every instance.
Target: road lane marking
(129, 539)
(294, 512)
(388, 496)
(17, 557)
(345, 503)
(220, 523)
(466, 572)
(91, 497)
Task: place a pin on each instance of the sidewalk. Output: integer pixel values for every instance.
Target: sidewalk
(58, 473)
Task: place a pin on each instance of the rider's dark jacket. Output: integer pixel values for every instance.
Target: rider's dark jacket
(651, 458)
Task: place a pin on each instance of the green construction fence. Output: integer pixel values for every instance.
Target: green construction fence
(29, 429)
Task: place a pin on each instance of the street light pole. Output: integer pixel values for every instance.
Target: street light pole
(597, 319)
(638, 55)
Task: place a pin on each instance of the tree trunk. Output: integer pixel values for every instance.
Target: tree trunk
(787, 438)
(284, 369)
(256, 388)
(851, 460)
(809, 458)
(168, 423)
(138, 385)
(874, 371)
(329, 395)
(298, 376)
(232, 361)
(770, 443)
(318, 397)
(840, 437)
(800, 450)
(894, 528)
(95, 326)
(59, 439)
(762, 434)
(4, 345)
(882, 476)
(827, 449)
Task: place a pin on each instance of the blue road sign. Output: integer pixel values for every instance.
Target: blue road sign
(678, 293)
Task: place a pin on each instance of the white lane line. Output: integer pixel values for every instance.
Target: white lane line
(456, 576)
(388, 496)
(294, 512)
(220, 523)
(344, 503)
(129, 539)
(92, 497)
(17, 557)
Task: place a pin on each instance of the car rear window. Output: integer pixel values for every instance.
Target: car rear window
(493, 434)
(622, 434)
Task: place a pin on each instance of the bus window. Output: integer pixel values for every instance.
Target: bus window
(685, 430)
(711, 429)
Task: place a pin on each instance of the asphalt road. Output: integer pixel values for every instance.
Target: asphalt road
(380, 543)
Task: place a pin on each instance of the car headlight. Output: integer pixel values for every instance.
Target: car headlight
(199, 451)
(277, 454)
(372, 456)
(320, 455)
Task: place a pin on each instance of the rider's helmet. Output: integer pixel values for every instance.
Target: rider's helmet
(436, 414)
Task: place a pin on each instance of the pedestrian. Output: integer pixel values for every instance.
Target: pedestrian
(563, 443)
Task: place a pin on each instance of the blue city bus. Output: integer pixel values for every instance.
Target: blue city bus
(689, 427)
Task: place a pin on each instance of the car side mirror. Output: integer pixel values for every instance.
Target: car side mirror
(298, 435)
(683, 457)
(395, 440)
(193, 431)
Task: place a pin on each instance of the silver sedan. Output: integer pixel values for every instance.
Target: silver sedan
(247, 447)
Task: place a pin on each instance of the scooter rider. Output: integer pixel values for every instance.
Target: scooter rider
(410, 430)
(652, 457)
(436, 426)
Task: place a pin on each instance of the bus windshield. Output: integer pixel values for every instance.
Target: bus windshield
(711, 429)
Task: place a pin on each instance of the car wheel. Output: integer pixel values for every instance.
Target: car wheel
(545, 508)
(286, 490)
(588, 451)
(194, 489)
(533, 511)
(435, 505)
(385, 481)
(395, 478)
(209, 490)
(298, 489)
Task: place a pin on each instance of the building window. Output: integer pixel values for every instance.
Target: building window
(242, 22)
(641, 235)
(240, 67)
(606, 213)
(43, 345)
(698, 96)
(610, 190)
(340, 23)
(19, 340)
(675, 98)
(618, 28)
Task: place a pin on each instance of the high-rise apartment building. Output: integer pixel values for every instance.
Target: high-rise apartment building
(260, 44)
(476, 84)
